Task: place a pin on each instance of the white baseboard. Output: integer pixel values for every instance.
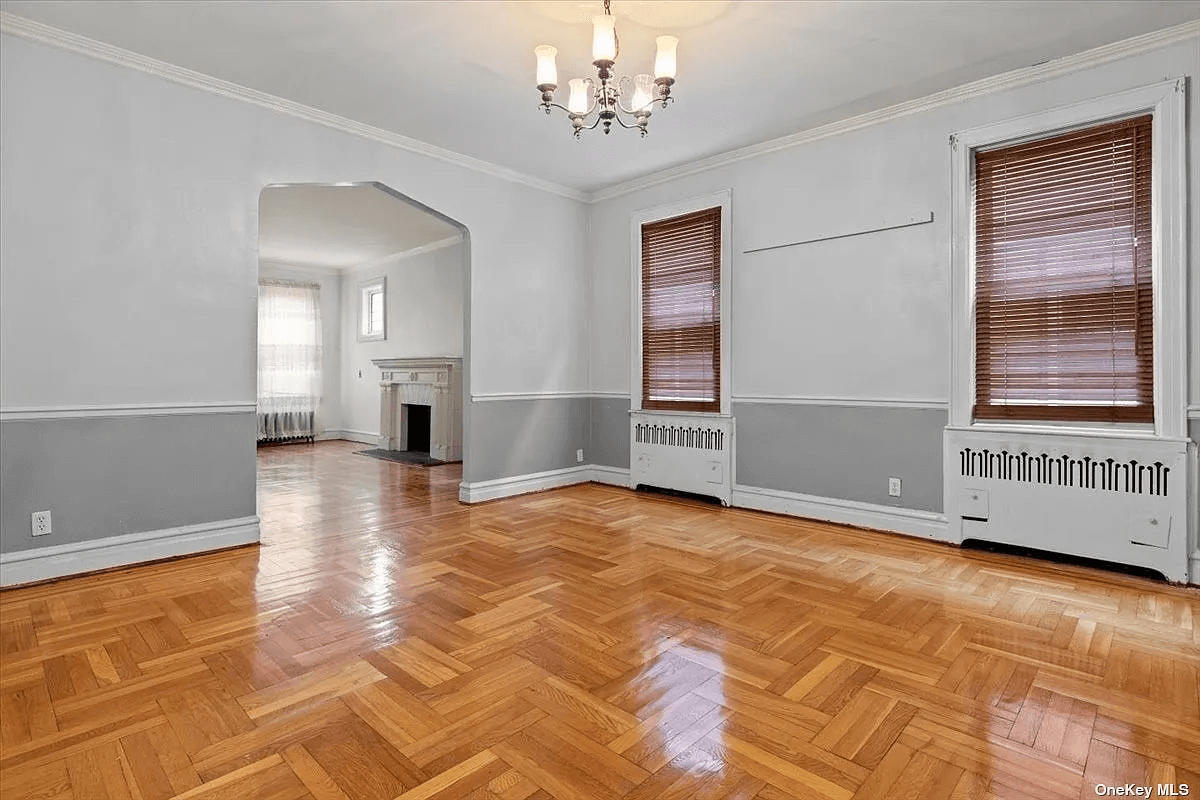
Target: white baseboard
(362, 437)
(480, 491)
(43, 563)
(925, 524)
(613, 476)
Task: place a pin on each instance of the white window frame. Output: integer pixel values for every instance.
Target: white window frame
(645, 216)
(365, 288)
(1165, 101)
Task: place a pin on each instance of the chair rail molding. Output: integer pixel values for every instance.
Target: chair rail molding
(15, 413)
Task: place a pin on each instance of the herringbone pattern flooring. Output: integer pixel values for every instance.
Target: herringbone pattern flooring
(581, 644)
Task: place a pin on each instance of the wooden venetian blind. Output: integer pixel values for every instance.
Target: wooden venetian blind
(1064, 322)
(681, 313)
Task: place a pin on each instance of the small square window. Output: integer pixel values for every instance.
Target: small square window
(372, 310)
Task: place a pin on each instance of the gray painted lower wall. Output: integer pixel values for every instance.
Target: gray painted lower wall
(842, 452)
(520, 437)
(107, 476)
(608, 431)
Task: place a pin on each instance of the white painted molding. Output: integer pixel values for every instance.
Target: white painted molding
(125, 410)
(1165, 100)
(853, 402)
(1015, 429)
(479, 491)
(1193, 412)
(496, 397)
(267, 266)
(44, 563)
(723, 199)
(997, 83)
(613, 476)
(363, 437)
(403, 254)
(619, 395)
(925, 524)
(45, 34)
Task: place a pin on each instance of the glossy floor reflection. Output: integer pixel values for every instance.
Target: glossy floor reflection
(386, 641)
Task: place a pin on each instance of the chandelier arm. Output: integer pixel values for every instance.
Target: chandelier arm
(554, 105)
(622, 122)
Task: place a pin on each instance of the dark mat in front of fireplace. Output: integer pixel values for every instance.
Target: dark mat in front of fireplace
(403, 457)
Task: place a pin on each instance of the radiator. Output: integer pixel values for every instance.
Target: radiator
(685, 452)
(1118, 500)
(285, 426)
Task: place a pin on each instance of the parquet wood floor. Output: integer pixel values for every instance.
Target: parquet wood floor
(586, 643)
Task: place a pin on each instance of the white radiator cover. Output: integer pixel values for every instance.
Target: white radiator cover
(681, 451)
(1116, 499)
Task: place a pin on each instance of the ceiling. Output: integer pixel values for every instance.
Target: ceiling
(339, 227)
(459, 74)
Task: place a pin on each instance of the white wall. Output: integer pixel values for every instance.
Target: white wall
(128, 270)
(329, 410)
(424, 318)
(125, 191)
(865, 317)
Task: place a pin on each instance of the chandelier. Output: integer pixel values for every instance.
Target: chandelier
(591, 104)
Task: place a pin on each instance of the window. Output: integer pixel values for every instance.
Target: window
(289, 358)
(681, 312)
(1063, 289)
(1069, 267)
(372, 310)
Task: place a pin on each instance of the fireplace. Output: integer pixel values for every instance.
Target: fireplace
(420, 406)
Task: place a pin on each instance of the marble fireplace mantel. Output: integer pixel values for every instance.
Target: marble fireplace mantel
(433, 382)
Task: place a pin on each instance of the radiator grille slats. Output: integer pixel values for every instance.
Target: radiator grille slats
(697, 437)
(1108, 474)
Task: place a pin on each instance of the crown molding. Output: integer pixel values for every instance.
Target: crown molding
(35, 31)
(403, 254)
(271, 264)
(46, 34)
(1013, 79)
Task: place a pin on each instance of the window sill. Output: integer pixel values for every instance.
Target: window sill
(714, 414)
(1140, 433)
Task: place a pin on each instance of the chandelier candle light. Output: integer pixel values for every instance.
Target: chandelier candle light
(604, 100)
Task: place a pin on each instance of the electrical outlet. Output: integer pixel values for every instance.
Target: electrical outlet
(41, 523)
(893, 487)
(579, 455)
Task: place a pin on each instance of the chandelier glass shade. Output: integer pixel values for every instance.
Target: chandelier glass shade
(628, 101)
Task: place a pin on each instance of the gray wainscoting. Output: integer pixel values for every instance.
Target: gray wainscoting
(844, 452)
(107, 476)
(1194, 430)
(608, 439)
(520, 437)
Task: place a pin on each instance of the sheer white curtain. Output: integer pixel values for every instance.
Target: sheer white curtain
(289, 358)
